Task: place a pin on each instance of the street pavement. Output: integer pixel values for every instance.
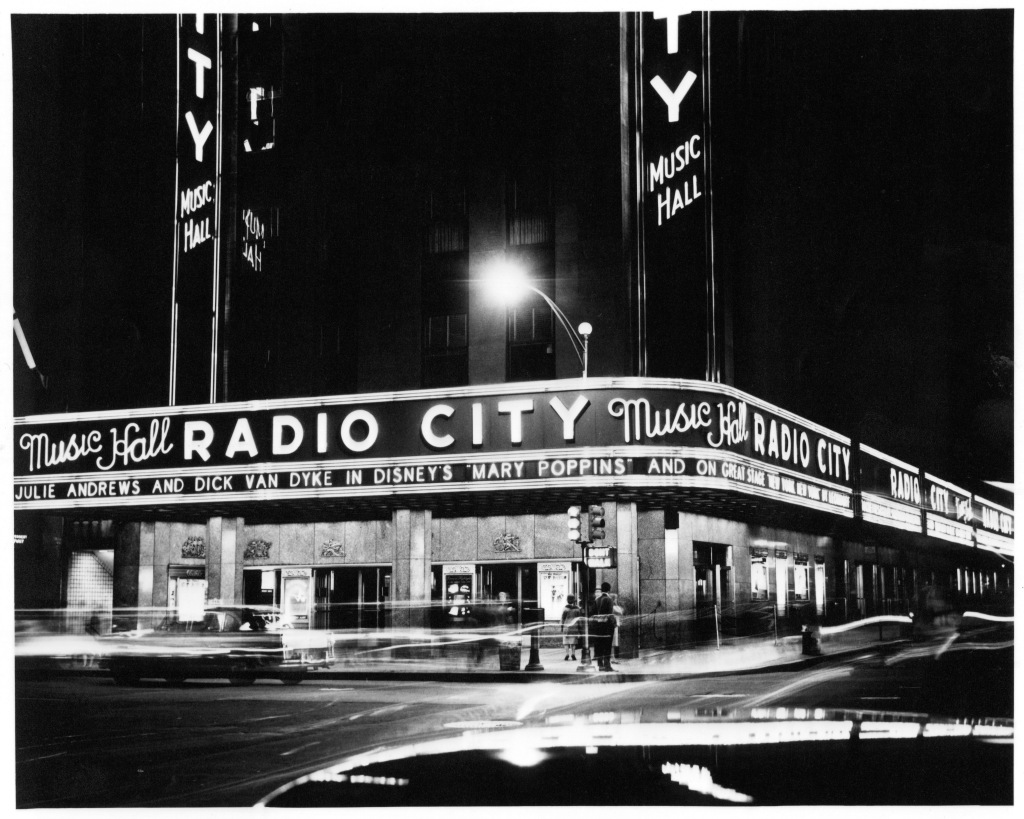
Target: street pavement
(546, 662)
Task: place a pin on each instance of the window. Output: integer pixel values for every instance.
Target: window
(445, 359)
(531, 322)
(446, 332)
(801, 589)
(529, 207)
(759, 578)
(445, 225)
(445, 283)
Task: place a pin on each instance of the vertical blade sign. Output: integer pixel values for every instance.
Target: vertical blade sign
(674, 194)
(194, 322)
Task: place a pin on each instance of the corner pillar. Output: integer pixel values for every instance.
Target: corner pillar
(223, 568)
(411, 567)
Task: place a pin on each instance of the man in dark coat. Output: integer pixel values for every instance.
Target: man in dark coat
(603, 627)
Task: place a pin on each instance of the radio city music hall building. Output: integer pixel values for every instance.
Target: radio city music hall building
(352, 443)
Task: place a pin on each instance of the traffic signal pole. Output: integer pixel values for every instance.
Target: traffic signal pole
(580, 532)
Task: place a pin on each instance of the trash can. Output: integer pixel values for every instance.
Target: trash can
(509, 654)
(811, 641)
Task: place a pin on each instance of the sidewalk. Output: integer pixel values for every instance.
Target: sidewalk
(732, 657)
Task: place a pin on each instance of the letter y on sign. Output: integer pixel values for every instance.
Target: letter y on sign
(673, 99)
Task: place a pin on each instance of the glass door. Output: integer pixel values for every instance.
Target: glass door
(296, 597)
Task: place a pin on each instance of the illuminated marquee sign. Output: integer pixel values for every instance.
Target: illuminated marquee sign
(593, 433)
(890, 491)
(994, 526)
(948, 511)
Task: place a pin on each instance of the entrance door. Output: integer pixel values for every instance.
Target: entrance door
(186, 596)
(374, 596)
(337, 599)
(349, 599)
(819, 588)
(711, 588)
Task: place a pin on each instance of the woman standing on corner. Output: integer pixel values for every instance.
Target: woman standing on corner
(570, 627)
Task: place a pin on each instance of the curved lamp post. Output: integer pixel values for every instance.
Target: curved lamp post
(508, 282)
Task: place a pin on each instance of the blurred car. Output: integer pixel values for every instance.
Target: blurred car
(233, 642)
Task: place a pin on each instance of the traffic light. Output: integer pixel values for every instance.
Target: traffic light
(574, 523)
(596, 514)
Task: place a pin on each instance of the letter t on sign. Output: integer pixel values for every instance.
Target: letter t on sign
(671, 29)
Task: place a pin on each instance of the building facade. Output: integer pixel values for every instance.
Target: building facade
(361, 427)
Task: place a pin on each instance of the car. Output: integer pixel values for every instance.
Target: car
(757, 756)
(233, 642)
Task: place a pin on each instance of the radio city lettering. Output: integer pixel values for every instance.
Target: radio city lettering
(905, 486)
(772, 440)
(945, 502)
(202, 64)
(672, 98)
(194, 213)
(252, 437)
(673, 198)
(997, 521)
(631, 436)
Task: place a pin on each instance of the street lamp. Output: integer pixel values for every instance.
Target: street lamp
(508, 283)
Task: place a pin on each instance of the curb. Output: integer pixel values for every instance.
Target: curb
(796, 662)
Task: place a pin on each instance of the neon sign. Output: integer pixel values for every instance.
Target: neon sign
(584, 433)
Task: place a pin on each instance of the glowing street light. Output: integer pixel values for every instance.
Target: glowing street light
(508, 283)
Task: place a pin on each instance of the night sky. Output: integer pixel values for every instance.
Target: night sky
(863, 190)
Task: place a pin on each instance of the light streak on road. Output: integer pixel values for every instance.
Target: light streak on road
(809, 681)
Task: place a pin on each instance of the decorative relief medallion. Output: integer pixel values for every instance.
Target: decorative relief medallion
(332, 548)
(256, 549)
(506, 542)
(194, 546)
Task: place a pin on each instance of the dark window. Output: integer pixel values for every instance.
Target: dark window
(531, 331)
(531, 350)
(445, 361)
(529, 207)
(445, 278)
(446, 333)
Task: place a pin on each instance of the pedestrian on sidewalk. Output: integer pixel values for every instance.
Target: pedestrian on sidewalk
(603, 628)
(618, 611)
(570, 626)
